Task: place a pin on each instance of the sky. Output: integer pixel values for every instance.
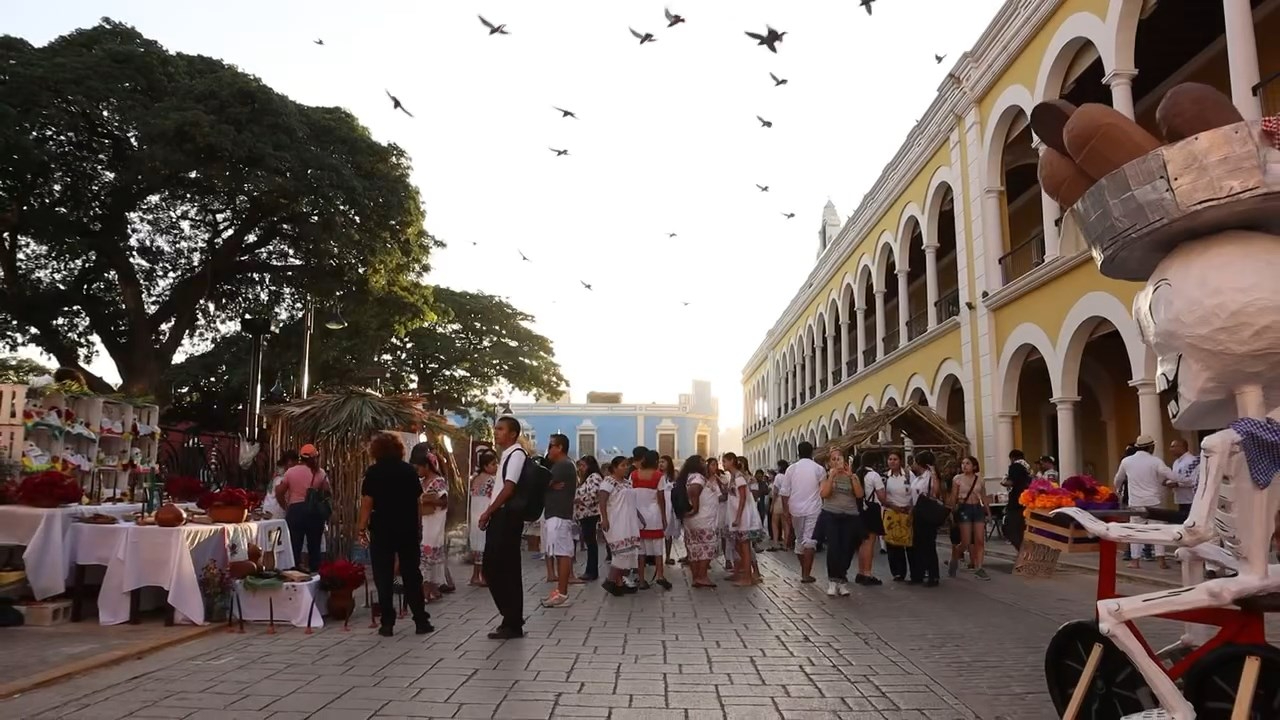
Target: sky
(666, 141)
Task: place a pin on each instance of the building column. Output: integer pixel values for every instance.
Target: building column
(931, 281)
(860, 326)
(813, 367)
(833, 328)
(1068, 446)
(993, 234)
(1121, 83)
(904, 307)
(1004, 436)
(1150, 414)
(880, 327)
(1242, 57)
(1050, 212)
(846, 327)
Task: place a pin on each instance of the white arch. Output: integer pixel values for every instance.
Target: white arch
(850, 414)
(837, 428)
(903, 249)
(890, 393)
(1072, 34)
(1022, 340)
(933, 203)
(1079, 324)
(823, 435)
(948, 368)
(916, 382)
(868, 402)
(1014, 98)
(886, 250)
(865, 278)
(1122, 24)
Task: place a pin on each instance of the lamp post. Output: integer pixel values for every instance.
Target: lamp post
(257, 328)
(334, 322)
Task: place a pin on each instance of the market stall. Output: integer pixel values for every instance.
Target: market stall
(908, 427)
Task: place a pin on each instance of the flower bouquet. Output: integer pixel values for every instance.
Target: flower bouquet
(49, 489)
(182, 488)
(1090, 494)
(1044, 495)
(215, 586)
(341, 574)
(230, 505)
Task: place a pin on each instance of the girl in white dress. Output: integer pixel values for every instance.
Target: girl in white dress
(701, 531)
(621, 525)
(646, 488)
(745, 528)
(719, 480)
(433, 505)
(481, 490)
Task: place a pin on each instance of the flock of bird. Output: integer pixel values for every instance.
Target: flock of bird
(769, 39)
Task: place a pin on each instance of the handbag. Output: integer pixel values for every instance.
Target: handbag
(319, 502)
(928, 510)
(870, 510)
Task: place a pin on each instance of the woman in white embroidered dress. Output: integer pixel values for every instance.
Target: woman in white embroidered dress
(481, 490)
(433, 505)
(621, 525)
(702, 522)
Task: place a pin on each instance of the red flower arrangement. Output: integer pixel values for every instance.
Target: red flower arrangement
(341, 574)
(49, 489)
(183, 488)
(233, 497)
(8, 492)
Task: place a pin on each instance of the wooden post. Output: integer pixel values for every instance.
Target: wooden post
(1248, 684)
(1082, 685)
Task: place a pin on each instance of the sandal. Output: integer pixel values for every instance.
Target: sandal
(663, 583)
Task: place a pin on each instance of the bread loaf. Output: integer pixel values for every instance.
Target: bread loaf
(1101, 140)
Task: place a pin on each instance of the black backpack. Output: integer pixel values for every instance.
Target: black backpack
(531, 490)
(680, 503)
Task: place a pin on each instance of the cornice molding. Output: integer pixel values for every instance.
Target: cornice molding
(971, 79)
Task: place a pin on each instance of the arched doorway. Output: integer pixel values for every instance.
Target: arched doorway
(951, 403)
(1022, 211)
(887, 277)
(918, 397)
(917, 299)
(869, 329)
(943, 224)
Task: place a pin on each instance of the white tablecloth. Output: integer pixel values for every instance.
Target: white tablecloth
(169, 558)
(290, 604)
(44, 533)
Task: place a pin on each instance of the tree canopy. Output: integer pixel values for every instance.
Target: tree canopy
(473, 344)
(150, 199)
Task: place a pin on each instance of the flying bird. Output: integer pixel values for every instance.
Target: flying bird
(684, 303)
(565, 113)
(558, 152)
(397, 105)
(763, 122)
(644, 37)
(586, 285)
(763, 188)
(672, 19)
(770, 39)
(494, 29)
(318, 41)
(522, 256)
(777, 81)
(788, 215)
(671, 235)
(939, 58)
(866, 4)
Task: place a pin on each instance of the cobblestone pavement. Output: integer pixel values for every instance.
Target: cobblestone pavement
(968, 649)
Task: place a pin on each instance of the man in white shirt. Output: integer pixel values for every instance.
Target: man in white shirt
(1186, 465)
(503, 528)
(801, 488)
(1146, 476)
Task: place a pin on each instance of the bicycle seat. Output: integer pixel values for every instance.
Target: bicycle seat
(1267, 603)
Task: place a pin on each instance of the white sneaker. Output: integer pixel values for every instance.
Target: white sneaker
(842, 589)
(831, 589)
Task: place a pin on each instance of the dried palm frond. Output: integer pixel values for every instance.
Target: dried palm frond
(350, 414)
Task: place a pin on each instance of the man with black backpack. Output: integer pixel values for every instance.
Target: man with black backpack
(517, 496)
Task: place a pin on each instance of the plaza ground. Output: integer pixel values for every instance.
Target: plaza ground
(969, 649)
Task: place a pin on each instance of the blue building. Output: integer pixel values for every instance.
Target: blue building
(605, 426)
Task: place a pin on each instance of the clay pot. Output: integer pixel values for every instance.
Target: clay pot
(241, 569)
(228, 513)
(341, 603)
(170, 515)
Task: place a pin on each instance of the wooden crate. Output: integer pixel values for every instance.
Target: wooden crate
(1040, 551)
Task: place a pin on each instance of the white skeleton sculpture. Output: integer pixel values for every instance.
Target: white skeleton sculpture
(1211, 313)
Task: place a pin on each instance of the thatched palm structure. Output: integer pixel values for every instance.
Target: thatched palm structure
(340, 425)
(887, 429)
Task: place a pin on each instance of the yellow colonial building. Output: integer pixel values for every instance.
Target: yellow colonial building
(957, 285)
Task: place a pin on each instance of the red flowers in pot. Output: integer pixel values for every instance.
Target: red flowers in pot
(49, 489)
(341, 575)
(230, 505)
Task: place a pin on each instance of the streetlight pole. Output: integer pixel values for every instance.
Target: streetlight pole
(308, 324)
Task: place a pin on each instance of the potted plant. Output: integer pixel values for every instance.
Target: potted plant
(183, 488)
(215, 587)
(230, 505)
(341, 578)
(49, 489)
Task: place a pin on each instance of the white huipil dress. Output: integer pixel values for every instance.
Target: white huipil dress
(623, 535)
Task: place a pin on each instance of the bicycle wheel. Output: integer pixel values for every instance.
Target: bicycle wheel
(1117, 688)
(1212, 683)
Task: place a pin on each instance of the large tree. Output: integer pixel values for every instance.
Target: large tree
(150, 199)
(473, 345)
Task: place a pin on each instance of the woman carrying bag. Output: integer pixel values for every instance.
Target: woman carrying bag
(928, 513)
(896, 498)
(305, 494)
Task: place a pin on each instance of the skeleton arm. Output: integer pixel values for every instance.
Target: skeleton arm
(1194, 531)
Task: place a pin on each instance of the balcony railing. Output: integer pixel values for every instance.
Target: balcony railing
(1268, 94)
(851, 367)
(917, 325)
(812, 394)
(1022, 259)
(822, 384)
(868, 356)
(836, 375)
(891, 340)
(949, 306)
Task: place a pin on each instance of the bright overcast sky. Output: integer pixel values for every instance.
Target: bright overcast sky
(667, 141)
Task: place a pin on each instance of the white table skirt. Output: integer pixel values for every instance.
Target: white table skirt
(170, 558)
(43, 532)
(290, 604)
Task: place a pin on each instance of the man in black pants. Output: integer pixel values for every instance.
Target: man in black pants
(503, 529)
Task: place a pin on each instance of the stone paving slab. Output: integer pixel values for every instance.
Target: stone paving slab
(969, 649)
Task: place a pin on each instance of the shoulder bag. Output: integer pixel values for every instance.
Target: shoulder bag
(319, 502)
(928, 510)
(869, 507)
